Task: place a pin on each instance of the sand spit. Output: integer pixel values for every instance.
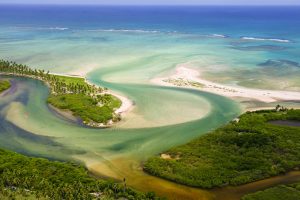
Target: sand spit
(185, 76)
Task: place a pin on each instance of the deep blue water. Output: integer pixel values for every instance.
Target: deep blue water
(278, 22)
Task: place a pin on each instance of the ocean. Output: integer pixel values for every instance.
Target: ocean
(234, 40)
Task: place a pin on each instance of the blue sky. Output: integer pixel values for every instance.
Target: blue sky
(157, 2)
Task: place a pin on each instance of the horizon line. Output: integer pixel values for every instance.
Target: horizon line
(96, 4)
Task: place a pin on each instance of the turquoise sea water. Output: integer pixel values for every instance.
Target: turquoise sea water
(123, 48)
(235, 42)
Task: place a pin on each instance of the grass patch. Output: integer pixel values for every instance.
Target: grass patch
(71, 80)
(238, 153)
(4, 85)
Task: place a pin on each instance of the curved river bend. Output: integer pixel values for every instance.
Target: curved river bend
(28, 126)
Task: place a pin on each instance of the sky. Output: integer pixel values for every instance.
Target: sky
(157, 2)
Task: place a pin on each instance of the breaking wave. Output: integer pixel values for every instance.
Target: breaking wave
(266, 39)
(125, 30)
(218, 36)
(57, 28)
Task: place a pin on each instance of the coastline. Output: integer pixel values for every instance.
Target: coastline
(187, 77)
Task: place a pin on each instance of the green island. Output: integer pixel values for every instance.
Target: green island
(4, 85)
(250, 148)
(23, 177)
(90, 103)
(286, 192)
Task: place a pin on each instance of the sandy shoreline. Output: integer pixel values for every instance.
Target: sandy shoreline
(185, 76)
(126, 105)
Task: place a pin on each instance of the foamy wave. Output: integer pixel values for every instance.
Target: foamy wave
(41, 28)
(203, 36)
(142, 31)
(58, 28)
(217, 36)
(125, 30)
(266, 39)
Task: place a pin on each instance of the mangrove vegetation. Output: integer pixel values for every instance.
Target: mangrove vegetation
(23, 177)
(247, 149)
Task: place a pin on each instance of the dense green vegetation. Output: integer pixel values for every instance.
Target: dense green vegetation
(242, 151)
(4, 85)
(36, 178)
(87, 107)
(282, 192)
(58, 84)
(73, 93)
(19, 194)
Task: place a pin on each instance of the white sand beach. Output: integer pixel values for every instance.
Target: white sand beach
(126, 106)
(191, 77)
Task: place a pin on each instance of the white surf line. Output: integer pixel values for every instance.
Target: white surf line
(184, 72)
(266, 39)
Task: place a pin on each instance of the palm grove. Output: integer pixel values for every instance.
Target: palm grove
(86, 101)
